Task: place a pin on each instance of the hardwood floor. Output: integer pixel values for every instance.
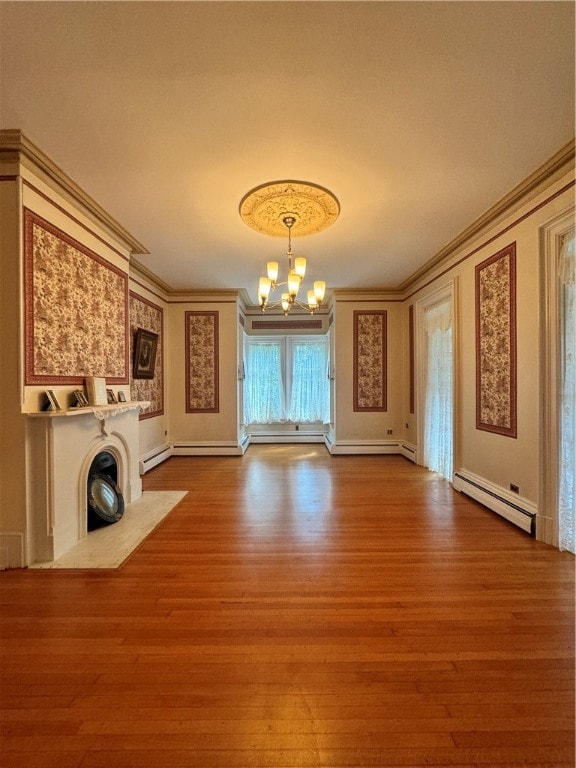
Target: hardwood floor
(297, 609)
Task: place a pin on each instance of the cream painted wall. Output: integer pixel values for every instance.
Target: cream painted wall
(495, 458)
(367, 426)
(12, 423)
(203, 428)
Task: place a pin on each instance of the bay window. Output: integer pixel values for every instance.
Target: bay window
(286, 380)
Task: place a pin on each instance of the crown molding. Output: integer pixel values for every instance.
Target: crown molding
(244, 297)
(15, 147)
(204, 295)
(138, 270)
(147, 279)
(556, 166)
(171, 294)
(367, 294)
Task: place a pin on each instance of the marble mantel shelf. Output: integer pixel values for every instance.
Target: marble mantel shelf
(101, 412)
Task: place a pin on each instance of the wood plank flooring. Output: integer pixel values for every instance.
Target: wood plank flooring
(297, 609)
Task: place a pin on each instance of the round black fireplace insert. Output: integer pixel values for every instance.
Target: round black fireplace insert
(105, 500)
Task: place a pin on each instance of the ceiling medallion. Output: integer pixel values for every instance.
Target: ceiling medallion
(312, 207)
(289, 208)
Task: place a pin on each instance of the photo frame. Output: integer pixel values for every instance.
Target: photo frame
(52, 401)
(111, 397)
(121, 396)
(96, 389)
(145, 345)
(81, 399)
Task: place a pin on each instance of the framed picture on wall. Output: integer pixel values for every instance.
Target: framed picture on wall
(145, 344)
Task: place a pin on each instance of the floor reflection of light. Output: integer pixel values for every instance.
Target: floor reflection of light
(296, 495)
(310, 500)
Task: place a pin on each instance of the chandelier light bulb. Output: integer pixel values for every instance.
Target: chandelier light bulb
(300, 266)
(312, 302)
(294, 281)
(272, 269)
(319, 290)
(264, 287)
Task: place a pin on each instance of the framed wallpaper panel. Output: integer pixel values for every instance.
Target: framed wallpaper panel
(76, 309)
(370, 349)
(496, 343)
(202, 371)
(144, 314)
(411, 357)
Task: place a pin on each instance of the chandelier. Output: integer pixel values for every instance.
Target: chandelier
(289, 208)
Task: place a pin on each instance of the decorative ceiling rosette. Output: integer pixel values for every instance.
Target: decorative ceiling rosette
(314, 208)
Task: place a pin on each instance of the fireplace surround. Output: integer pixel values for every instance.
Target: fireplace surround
(63, 445)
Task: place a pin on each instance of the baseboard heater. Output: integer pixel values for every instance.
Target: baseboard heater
(344, 447)
(209, 449)
(155, 458)
(521, 513)
(291, 437)
(409, 452)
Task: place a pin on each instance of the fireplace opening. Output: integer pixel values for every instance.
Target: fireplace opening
(105, 500)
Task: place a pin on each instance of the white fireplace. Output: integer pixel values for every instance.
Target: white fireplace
(62, 446)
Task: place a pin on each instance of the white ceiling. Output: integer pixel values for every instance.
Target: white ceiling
(418, 116)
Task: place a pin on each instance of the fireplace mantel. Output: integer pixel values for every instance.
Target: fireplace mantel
(99, 411)
(63, 445)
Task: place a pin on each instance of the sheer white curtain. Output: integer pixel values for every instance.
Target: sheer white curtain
(286, 380)
(310, 394)
(264, 384)
(438, 393)
(567, 409)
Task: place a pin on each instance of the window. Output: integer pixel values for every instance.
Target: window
(438, 393)
(567, 409)
(286, 380)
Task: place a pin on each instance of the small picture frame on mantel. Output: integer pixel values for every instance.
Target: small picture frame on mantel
(81, 399)
(51, 403)
(96, 389)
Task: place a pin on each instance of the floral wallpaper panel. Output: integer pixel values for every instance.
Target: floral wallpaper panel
(76, 309)
(144, 314)
(202, 392)
(412, 389)
(370, 383)
(496, 343)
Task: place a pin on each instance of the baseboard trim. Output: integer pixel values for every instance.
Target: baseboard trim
(513, 508)
(343, 447)
(208, 449)
(409, 451)
(12, 550)
(154, 457)
(290, 438)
